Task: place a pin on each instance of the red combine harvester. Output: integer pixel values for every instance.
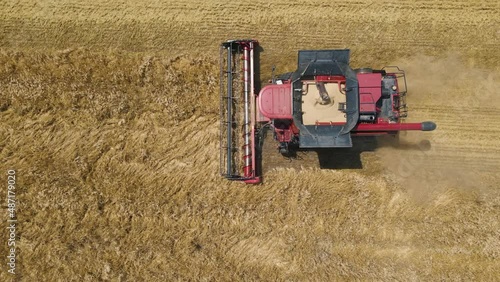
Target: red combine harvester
(322, 104)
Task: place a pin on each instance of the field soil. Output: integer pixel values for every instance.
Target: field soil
(109, 116)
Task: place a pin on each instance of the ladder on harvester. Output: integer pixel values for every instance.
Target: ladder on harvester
(237, 111)
(401, 105)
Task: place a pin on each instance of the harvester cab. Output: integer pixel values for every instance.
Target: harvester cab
(324, 103)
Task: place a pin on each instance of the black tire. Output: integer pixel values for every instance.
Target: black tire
(364, 70)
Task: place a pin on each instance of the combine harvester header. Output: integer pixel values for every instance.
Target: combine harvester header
(237, 94)
(324, 103)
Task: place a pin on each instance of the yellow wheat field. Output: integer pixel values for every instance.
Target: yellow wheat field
(109, 115)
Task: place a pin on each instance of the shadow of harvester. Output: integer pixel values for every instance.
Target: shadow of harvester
(333, 158)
